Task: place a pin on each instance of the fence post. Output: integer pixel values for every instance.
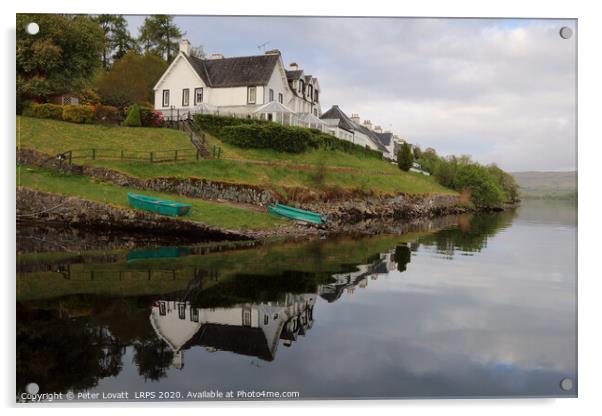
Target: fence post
(197, 154)
(70, 156)
(175, 155)
(93, 154)
(122, 155)
(219, 152)
(152, 155)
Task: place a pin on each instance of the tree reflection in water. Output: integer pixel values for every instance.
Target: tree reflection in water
(252, 313)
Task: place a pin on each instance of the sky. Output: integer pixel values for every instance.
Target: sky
(500, 90)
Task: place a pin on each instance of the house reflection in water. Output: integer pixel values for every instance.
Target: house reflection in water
(257, 329)
(248, 329)
(347, 282)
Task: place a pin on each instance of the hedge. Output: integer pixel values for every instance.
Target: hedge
(73, 113)
(254, 133)
(48, 110)
(268, 136)
(78, 113)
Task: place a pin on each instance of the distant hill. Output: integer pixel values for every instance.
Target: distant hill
(556, 185)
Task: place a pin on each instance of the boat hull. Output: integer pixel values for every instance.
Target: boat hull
(158, 206)
(295, 214)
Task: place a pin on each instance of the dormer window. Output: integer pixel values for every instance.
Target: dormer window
(280, 98)
(310, 92)
(301, 86)
(316, 96)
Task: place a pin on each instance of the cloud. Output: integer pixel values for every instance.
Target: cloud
(501, 90)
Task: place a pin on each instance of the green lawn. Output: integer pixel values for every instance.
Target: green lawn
(210, 213)
(358, 172)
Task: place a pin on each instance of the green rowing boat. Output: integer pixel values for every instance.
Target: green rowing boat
(295, 213)
(159, 206)
(158, 253)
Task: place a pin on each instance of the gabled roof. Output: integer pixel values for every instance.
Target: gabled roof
(385, 138)
(242, 340)
(235, 72)
(372, 136)
(335, 113)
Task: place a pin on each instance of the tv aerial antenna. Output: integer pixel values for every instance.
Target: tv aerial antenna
(262, 46)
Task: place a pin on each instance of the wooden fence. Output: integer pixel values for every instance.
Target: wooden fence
(153, 156)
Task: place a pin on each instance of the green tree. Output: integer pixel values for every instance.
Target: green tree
(417, 152)
(484, 189)
(131, 80)
(160, 35)
(62, 57)
(405, 158)
(118, 40)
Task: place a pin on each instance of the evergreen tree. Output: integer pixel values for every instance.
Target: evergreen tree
(117, 38)
(160, 35)
(405, 158)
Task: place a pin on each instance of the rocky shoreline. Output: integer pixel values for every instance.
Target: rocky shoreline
(344, 214)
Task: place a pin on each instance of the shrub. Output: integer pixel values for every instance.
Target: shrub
(78, 113)
(47, 110)
(267, 136)
(405, 158)
(485, 192)
(133, 118)
(106, 114)
(151, 118)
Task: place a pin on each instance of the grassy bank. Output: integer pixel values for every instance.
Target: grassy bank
(314, 169)
(210, 213)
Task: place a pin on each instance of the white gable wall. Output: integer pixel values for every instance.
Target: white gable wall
(180, 75)
(279, 85)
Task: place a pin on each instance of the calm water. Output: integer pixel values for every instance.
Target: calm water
(484, 308)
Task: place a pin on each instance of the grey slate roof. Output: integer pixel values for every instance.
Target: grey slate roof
(294, 74)
(235, 72)
(345, 122)
(385, 138)
(241, 340)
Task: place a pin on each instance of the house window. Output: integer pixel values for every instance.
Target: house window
(271, 95)
(198, 96)
(301, 86)
(266, 319)
(310, 92)
(280, 98)
(162, 309)
(251, 95)
(194, 314)
(182, 310)
(185, 97)
(316, 112)
(316, 95)
(165, 98)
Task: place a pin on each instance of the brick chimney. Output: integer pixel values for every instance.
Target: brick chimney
(368, 124)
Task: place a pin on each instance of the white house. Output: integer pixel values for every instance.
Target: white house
(247, 329)
(346, 128)
(238, 85)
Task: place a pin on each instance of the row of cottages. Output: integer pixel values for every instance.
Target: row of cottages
(248, 86)
(351, 129)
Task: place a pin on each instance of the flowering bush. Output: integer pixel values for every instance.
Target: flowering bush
(151, 118)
